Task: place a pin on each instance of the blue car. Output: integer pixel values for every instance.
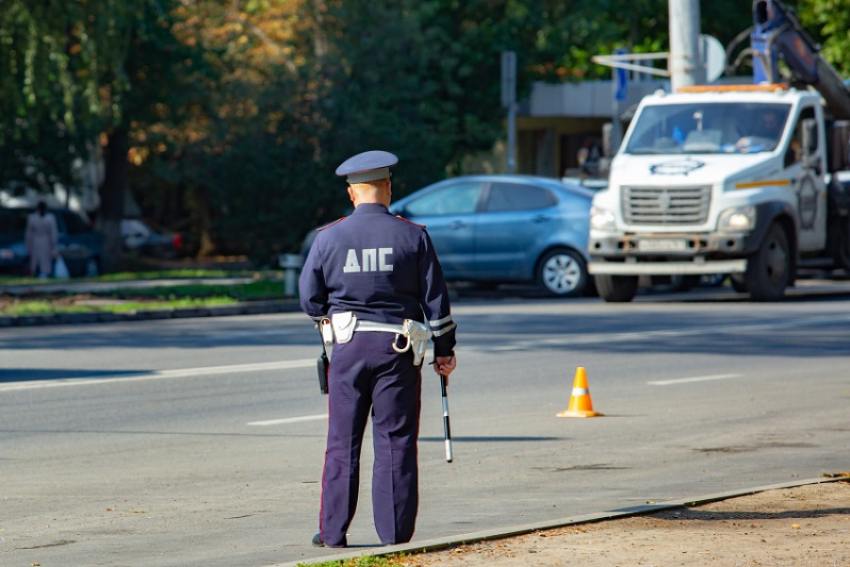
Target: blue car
(507, 228)
(79, 245)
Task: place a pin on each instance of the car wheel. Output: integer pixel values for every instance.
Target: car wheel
(562, 273)
(769, 269)
(92, 268)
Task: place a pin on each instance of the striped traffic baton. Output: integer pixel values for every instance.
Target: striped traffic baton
(446, 428)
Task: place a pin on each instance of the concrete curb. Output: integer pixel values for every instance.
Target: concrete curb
(438, 544)
(808, 290)
(245, 308)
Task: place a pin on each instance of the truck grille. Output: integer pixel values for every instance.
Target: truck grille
(666, 205)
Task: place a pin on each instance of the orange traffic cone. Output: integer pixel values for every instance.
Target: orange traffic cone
(580, 404)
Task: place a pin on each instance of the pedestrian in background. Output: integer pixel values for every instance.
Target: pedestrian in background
(42, 241)
(374, 279)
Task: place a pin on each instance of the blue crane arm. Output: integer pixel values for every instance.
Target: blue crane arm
(777, 34)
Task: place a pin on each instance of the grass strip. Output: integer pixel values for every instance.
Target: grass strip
(397, 560)
(188, 274)
(252, 291)
(44, 307)
(172, 274)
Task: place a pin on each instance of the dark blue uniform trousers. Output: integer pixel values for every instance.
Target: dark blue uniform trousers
(367, 374)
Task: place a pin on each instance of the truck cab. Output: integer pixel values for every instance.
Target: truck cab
(703, 176)
(732, 179)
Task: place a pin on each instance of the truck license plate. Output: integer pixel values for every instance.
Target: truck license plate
(663, 245)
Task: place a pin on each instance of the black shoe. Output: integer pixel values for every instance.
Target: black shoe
(319, 542)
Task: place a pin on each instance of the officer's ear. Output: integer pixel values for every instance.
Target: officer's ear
(351, 194)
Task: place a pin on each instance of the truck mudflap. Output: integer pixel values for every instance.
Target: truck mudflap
(738, 266)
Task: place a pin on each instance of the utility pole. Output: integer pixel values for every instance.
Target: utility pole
(685, 66)
(509, 102)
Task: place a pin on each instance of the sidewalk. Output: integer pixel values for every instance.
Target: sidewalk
(803, 523)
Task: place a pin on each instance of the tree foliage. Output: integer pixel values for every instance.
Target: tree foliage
(828, 21)
(227, 118)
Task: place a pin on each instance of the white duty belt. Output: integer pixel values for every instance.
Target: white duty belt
(342, 326)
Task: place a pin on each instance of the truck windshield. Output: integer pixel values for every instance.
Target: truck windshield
(708, 128)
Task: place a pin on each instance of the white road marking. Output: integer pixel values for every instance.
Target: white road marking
(288, 420)
(696, 379)
(570, 340)
(159, 375)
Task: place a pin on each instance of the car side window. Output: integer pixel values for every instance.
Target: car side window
(575, 202)
(456, 199)
(517, 197)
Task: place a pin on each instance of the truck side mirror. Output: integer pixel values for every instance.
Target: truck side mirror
(809, 136)
(809, 141)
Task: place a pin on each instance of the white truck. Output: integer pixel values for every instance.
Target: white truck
(732, 179)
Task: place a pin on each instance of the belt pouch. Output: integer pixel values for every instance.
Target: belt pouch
(343, 324)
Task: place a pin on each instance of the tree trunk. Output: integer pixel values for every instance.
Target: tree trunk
(112, 193)
(207, 247)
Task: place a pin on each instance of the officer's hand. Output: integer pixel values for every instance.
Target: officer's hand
(445, 365)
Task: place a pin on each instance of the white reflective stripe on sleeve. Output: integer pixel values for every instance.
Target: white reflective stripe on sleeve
(444, 331)
(439, 322)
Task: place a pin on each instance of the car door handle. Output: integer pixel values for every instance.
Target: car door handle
(541, 218)
(456, 225)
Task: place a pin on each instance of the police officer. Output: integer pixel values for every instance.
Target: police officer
(372, 273)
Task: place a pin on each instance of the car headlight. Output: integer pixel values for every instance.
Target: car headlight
(601, 219)
(737, 219)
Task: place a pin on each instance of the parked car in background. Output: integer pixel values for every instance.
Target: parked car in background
(507, 228)
(498, 228)
(79, 244)
(140, 238)
(592, 183)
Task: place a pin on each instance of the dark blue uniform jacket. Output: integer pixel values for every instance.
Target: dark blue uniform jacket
(381, 267)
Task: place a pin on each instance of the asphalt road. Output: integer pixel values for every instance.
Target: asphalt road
(200, 441)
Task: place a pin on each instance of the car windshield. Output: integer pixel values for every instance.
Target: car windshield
(708, 128)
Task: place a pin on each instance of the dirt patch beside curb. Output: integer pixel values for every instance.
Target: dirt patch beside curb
(807, 526)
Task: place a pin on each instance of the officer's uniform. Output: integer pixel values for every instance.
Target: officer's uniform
(384, 270)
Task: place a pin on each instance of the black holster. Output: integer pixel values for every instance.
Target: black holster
(322, 366)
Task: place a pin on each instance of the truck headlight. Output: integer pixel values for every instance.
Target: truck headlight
(737, 219)
(601, 219)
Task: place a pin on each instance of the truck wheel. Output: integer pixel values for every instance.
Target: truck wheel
(769, 269)
(842, 250)
(562, 273)
(616, 289)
